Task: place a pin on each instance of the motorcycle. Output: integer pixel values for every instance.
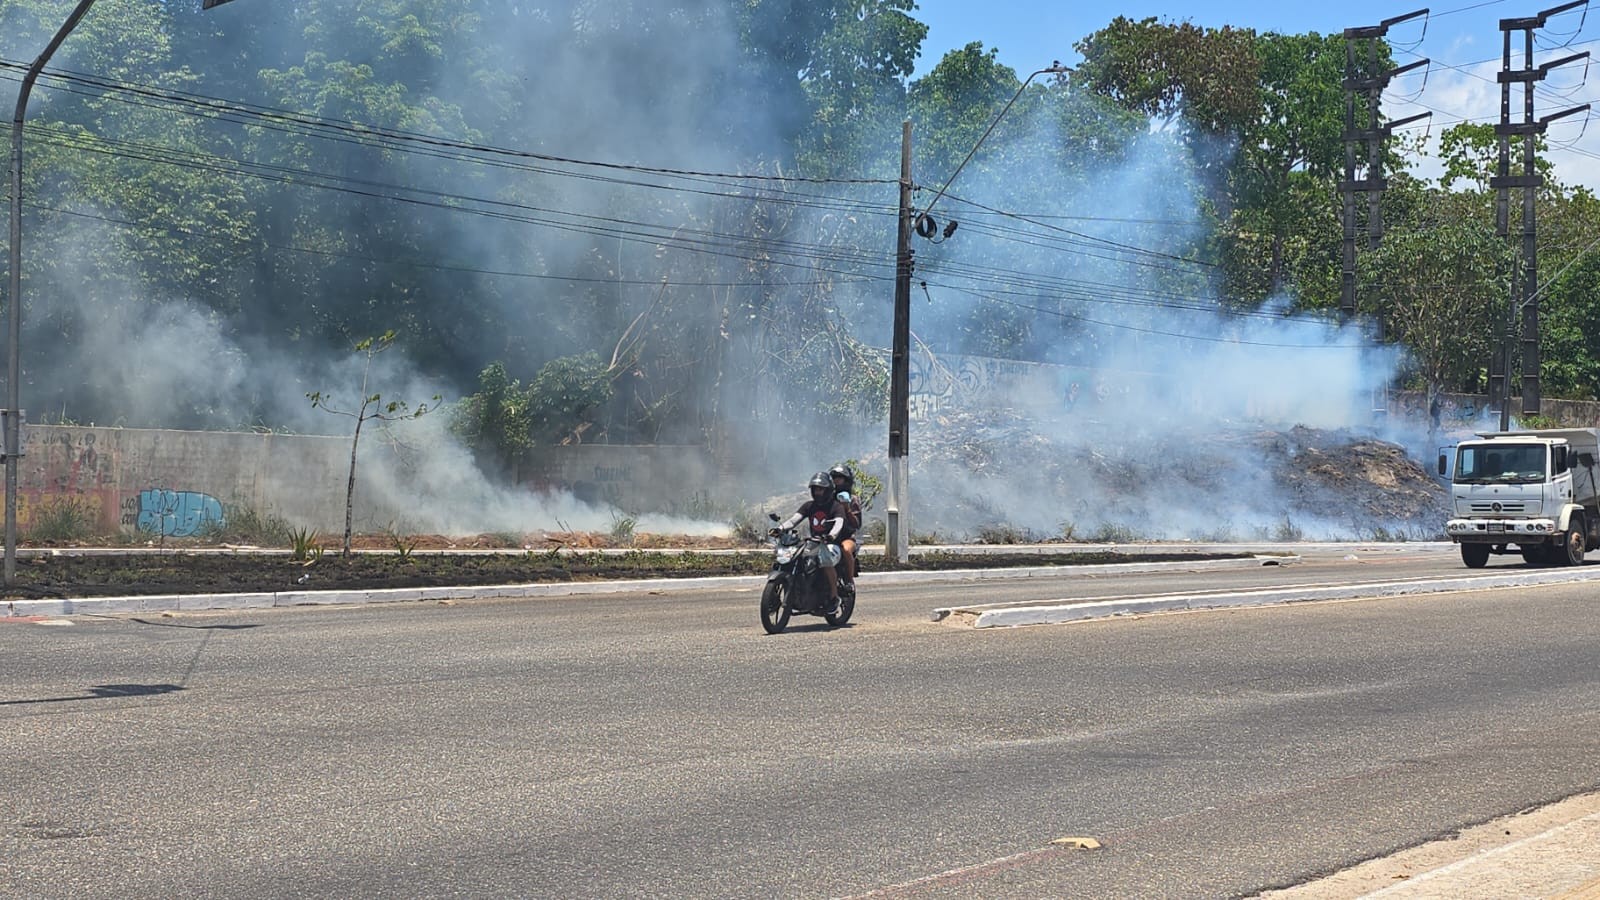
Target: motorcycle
(798, 586)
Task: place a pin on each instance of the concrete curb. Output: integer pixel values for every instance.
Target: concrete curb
(1055, 613)
(192, 602)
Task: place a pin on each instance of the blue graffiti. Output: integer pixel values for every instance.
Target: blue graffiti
(177, 513)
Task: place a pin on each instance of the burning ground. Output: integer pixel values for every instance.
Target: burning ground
(994, 477)
(999, 477)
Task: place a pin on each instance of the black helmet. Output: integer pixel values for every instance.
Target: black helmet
(845, 473)
(820, 480)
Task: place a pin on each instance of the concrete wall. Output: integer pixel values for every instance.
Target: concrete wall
(1473, 410)
(655, 478)
(150, 482)
(174, 483)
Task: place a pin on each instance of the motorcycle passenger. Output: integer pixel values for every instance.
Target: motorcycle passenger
(844, 482)
(827, 519)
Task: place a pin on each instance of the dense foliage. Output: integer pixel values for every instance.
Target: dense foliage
(217, 201)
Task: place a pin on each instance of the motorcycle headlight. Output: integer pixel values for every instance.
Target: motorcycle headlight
(785, 554)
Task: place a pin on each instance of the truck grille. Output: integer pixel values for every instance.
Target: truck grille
(1514, 508)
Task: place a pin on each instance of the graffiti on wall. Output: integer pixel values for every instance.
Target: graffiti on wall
(172, 513)
(74, 463)
(940, 385)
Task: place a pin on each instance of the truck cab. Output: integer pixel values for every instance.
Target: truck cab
(1532, 490)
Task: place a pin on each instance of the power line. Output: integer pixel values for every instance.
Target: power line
(238, 107)
(1078, 234)
(699, 240)
(767, 192)
(1155, 331)
(216, 237)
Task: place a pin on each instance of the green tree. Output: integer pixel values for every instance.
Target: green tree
(564, 397)
(1206, 77)
(1439, 284)
(371, 407)
(1471, 153)
(854, 79)
(495, 421)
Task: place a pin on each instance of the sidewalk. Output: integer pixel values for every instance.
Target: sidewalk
(1550, 852)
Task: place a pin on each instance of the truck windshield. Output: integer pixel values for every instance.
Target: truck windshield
(1501, 462)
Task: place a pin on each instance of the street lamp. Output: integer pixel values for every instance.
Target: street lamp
(11, 453)
(1055, 68)
(897, 539)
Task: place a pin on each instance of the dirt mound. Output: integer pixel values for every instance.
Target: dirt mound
(1373, 479)
(979, 475)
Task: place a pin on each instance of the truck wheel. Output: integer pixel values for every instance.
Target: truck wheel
(1533, 555)
(1571, 553)
(1476, 556)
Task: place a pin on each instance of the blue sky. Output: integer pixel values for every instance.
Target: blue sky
(1032, 33)
(1462, 37)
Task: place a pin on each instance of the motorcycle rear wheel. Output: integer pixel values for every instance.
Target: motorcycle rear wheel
(847, 605)
(775, 609)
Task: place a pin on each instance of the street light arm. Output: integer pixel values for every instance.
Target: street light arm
(12, 424)
(11, 416)
(44, 57)
(1055, 69)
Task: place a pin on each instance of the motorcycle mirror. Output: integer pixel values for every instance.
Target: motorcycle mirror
(772, 516)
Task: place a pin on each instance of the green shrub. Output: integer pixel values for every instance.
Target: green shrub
(1113, 533)
(402, 543)
(246, 525)
(1002, 534)
(1288, 532)
(622, 527)
(875, 531)
(305, 545)
(749, 525)
(61, 520)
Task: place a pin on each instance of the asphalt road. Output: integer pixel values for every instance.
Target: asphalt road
(664, 746)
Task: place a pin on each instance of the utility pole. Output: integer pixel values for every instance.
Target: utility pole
(897, 541)
(11, 416)
(1372, 136)
(1525, 275)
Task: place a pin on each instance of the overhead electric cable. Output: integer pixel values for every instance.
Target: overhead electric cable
(362, 129)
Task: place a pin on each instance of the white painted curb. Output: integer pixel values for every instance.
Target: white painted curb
(186, 602)
(1048, 614)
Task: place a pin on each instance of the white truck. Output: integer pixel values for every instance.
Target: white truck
(1534, 490)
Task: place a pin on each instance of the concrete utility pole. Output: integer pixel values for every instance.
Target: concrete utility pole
(897, 544)
(897, 540)
(1525, 278)
(11, 415)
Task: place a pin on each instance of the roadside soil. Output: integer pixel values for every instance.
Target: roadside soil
(63, 572)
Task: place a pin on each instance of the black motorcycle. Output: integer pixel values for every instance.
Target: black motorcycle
(798, 586)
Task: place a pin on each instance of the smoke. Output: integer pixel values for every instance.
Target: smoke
(1075, 247)
(1159, 411)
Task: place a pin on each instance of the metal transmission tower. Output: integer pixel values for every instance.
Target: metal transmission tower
(1371, 82)
(1525, 278)
(1371, 137)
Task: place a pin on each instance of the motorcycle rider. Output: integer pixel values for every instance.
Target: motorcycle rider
(827, 517)
(844, 482)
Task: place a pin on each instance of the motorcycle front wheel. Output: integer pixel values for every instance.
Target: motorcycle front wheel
(775, 607)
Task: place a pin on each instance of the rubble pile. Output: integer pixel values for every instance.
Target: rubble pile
(976, 474)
